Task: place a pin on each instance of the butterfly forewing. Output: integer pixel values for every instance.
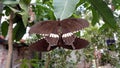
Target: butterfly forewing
(44, 28)
(65, 26)
(73, 25)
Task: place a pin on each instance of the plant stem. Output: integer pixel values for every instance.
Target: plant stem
(10, 46)
(47, 62)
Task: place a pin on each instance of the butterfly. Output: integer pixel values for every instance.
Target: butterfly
(59, 34)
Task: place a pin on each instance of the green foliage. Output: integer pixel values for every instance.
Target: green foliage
(18, 31)
(59, 59)
(95, 18)
(20, 10)
(8, 10)
(24, 63)
(105, 12)
(44, 10)
(4, 28)
(64, 8)
(117, 65)
(116, 4)
(24, 5)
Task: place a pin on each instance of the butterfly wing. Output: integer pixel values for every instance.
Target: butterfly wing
(41, 45)
(73, 25)
(67, 25)
(44, 28)
(77, 44)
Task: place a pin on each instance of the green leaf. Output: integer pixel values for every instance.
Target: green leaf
(64, 8)
(25, 17)
(13, 9)
(24, 4)
(117, 65)
(18, 31)
(24, 65)
(95, 18)
(7, 10)
(103, 28)
(4, 28)
(78, 34)
(118, 1)
(105, 12)
(81, 2)
(10, 2)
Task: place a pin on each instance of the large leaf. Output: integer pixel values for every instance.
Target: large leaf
(96, 17)
(13, 9)
(25, 17)
(105, 12)
(24, 4)
(64, 8)
(4, 28)
(18, 31)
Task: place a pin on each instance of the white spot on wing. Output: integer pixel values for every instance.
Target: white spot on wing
(67, 35)
(54, 35)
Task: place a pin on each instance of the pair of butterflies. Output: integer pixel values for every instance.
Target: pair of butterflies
(59, 34)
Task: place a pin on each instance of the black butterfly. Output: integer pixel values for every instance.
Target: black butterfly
(59, 34)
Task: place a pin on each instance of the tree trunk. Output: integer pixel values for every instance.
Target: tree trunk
(10, 46)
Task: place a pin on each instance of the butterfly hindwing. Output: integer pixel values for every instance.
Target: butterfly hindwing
(77, 44)
(41, 45)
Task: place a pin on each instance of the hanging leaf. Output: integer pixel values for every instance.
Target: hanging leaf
(4, 28)
(105, 12)
(24, 4)
(13, 9)
(96, 17)
(18, 31)
(64, 8)
(25, 17)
